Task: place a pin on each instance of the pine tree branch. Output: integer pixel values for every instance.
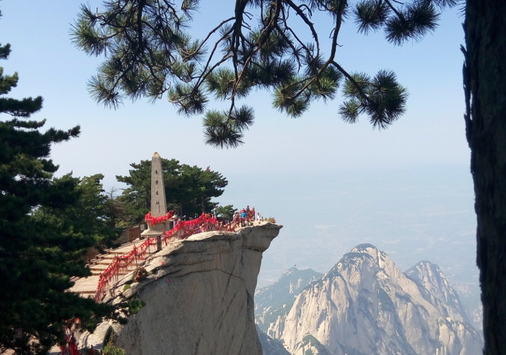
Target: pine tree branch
(394, 9)
(306, 20)
(352, 80)
(334, 45)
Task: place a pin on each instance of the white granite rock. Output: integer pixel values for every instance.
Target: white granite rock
(366, 305)
(198, 296)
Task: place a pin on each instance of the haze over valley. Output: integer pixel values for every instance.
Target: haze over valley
(410, 214)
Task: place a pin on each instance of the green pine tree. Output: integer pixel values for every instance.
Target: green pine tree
(38, 256)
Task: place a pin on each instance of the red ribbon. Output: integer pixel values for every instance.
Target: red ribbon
(157, 220)
(182, 230)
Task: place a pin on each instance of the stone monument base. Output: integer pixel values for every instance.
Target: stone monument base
(155, 230)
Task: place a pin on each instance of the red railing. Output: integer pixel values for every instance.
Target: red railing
(70, 346)
(122, 263)
(182, 230)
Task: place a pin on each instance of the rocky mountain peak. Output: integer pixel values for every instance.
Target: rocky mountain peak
(437, 290)
(366, 305)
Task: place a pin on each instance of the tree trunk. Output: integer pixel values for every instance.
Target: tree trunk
(485, 87)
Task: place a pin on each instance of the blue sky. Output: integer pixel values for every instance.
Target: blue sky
(432, 131)
(428, 141)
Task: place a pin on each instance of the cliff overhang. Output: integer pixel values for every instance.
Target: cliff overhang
(197, 296)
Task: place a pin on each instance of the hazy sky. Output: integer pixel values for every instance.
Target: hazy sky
(432, 131)
(430, 137)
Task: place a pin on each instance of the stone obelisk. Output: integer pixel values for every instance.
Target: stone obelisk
(158, 201)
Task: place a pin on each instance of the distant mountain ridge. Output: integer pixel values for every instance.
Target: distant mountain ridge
(366, 305)
(272, 300)
(437, 290)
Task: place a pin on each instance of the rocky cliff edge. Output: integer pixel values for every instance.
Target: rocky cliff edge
(197, 297)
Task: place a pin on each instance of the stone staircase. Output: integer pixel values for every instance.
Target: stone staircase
(87, 286)
(100, 262)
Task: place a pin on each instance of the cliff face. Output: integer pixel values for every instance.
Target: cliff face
(198, 297)
(366, 305)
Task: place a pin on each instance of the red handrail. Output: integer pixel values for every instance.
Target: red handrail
(182, 230)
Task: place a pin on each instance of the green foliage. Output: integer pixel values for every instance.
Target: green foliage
(225, 130)
(88, 220)
(134, 306)
(111, 349)
(278, 46)
(38, 256)
(225, 213)
(188, 189)
(381, 98)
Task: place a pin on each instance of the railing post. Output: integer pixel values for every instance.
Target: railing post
(158, 242)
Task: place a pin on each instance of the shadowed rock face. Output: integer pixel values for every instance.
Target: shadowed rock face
(198, 297)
